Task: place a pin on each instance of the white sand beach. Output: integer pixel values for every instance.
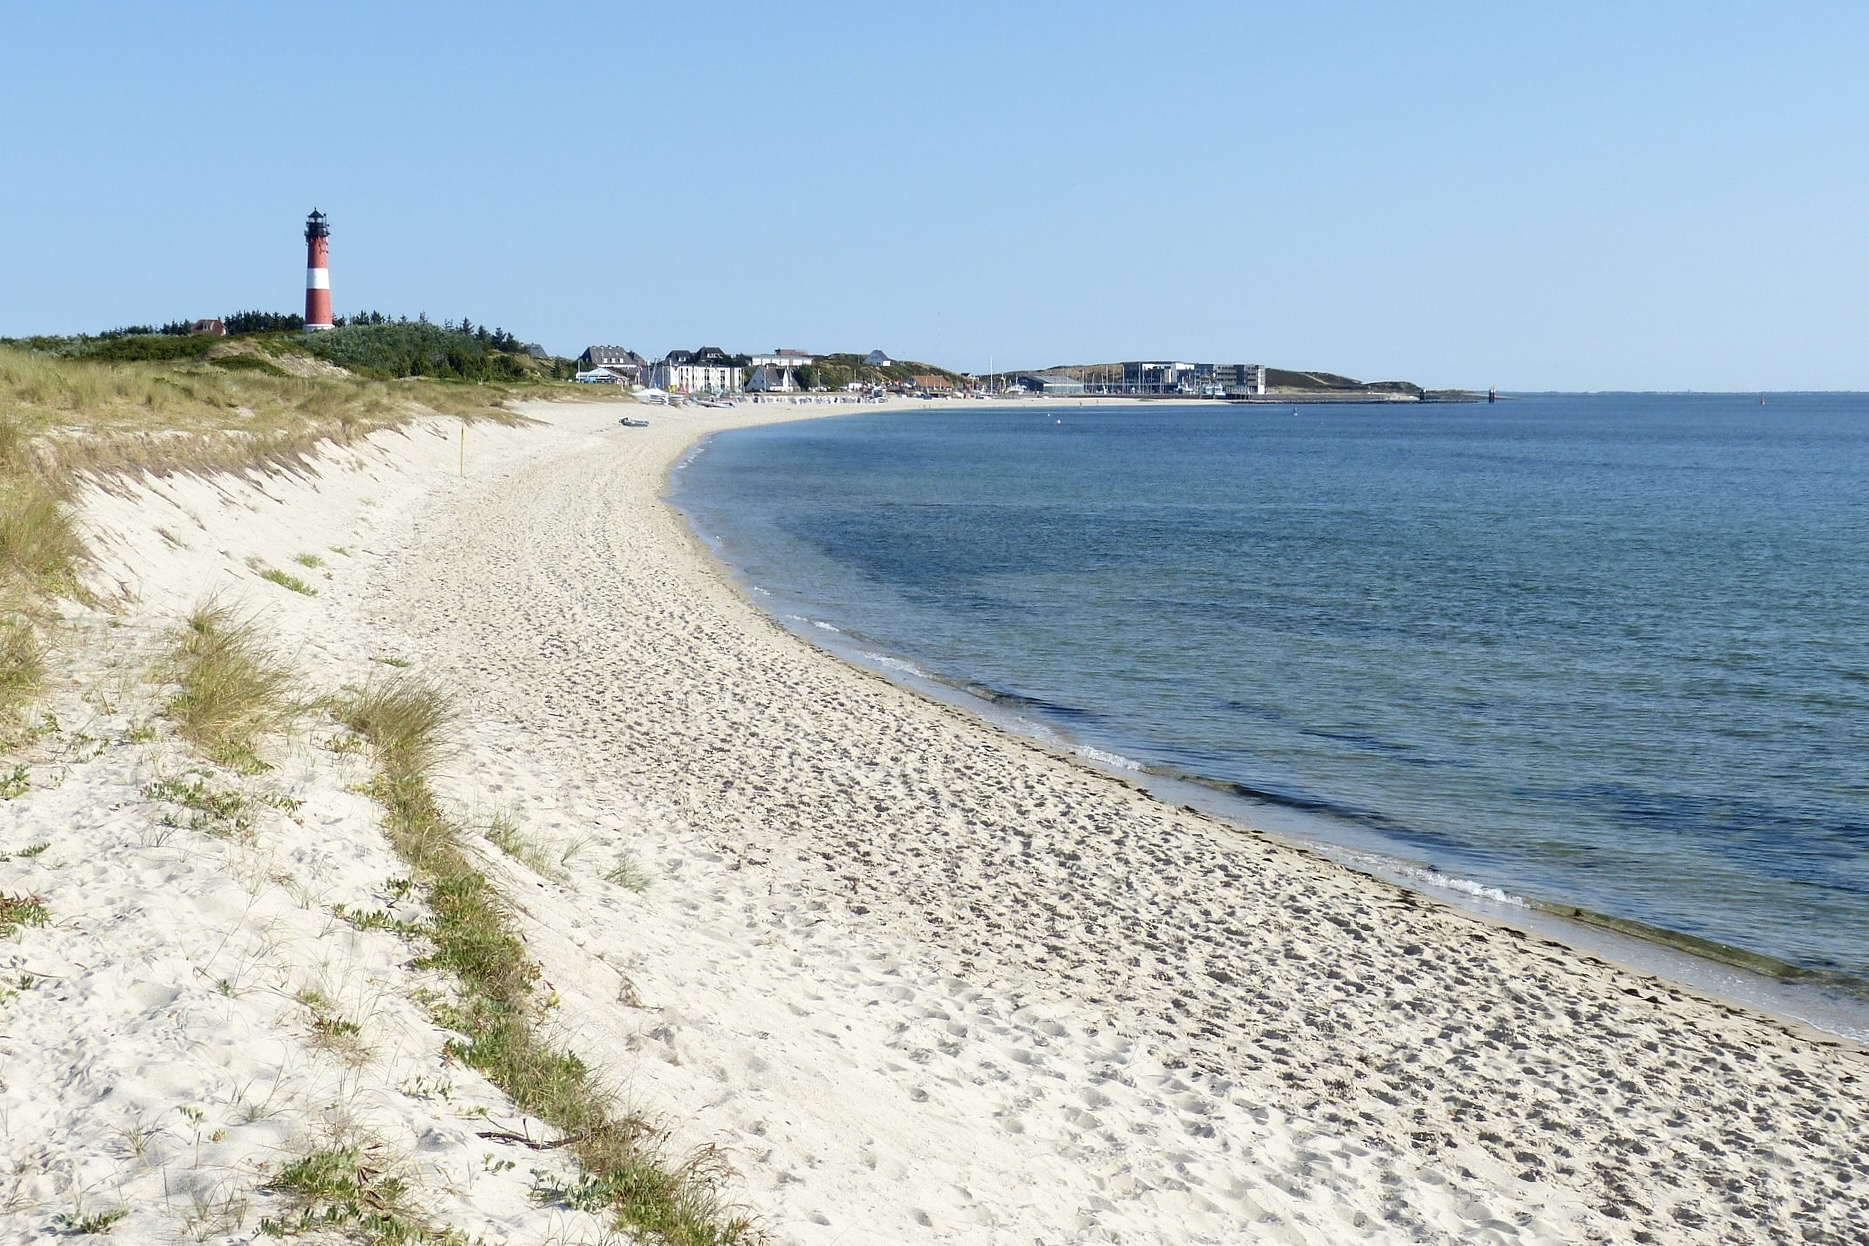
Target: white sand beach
(916, 978)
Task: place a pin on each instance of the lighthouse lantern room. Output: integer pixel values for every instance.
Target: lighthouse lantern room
(317, 272)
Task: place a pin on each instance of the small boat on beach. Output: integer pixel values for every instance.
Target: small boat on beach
(632, 422)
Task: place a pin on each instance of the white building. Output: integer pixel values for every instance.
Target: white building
(709, 370)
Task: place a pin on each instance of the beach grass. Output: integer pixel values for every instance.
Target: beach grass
(86, 415)
(103, 417)
(504, 832)
(22, 662)
(405, 721)
(629, 874)
(285, 579)
(40, 554)
(234, 689)
(39, 544)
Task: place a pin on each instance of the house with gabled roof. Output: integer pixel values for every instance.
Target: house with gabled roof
(625, 364)
(709, 370)
(774, 373)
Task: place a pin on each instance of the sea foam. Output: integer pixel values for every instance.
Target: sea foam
(1103, 757)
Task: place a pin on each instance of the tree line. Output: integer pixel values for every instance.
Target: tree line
(368, 342)
(241, 323)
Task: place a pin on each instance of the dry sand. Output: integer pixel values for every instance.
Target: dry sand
(921, 980)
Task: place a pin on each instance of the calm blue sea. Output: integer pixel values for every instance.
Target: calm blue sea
(1609, 651)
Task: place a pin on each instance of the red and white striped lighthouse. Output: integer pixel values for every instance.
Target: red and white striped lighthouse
(317, 272)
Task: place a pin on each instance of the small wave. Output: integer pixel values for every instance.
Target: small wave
(1466, 887)
(826, 626)
(1018, 700)
(1307, 803)
(894, 664)
(1034, 729)
(1104, 758)
(763, 592)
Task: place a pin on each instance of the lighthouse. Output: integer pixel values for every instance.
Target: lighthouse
(317, 272)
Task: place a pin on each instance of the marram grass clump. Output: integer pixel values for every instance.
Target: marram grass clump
(405, 721)
(39, 545)
(22, 663)
(234, 689)
(40, 553)
(285, 579)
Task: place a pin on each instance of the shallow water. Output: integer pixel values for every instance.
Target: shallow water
(1608, 651)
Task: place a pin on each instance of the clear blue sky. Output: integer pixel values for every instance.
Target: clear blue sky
(1575, 196)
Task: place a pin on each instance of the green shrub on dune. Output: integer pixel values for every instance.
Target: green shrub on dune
(158, 348)
(417, 348)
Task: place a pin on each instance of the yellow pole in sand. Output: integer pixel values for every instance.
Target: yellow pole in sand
(464, 447)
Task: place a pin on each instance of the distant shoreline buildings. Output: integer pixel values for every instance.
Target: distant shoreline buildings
(708, 370)
(1150, 378)
(712, 372)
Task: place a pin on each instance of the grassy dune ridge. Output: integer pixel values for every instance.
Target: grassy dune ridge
(231, 411)
(65, 418)
(97, 408)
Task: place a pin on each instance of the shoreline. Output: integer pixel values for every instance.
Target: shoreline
(1724, 975)
(908, 976)
(1033, 880)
